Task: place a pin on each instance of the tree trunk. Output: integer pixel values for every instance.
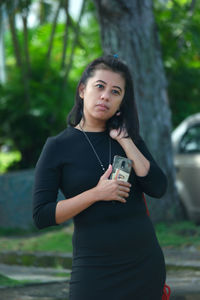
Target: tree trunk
(66, 35)
(192, 5)
(44, 11)
(26, 70)
(128, 28)
(53, 32)
(26, 47)
(75, 41)
(2, 52)
(16, 46)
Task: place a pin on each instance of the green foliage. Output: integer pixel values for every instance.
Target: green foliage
(29, 121)
(179, 29)
(34, 103)
(8, 158)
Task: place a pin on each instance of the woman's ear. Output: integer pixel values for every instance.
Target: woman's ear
(118, 113)
(81, 90)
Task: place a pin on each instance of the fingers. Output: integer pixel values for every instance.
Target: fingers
(124, 187)
(120, 199)
(123, 194)
(107, 173)
(123, 183)
(123, 191)
(110, 190)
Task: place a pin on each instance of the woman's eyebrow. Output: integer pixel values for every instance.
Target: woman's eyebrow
(115, 86)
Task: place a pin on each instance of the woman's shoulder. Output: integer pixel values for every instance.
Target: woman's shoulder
(64, 136)
(57, 144)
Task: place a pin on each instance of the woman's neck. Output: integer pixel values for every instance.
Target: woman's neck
(93, 127)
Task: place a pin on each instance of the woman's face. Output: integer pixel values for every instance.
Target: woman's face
(102, 95)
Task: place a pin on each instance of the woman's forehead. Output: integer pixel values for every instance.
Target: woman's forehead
(109, 77)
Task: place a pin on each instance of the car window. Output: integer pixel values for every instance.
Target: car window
(190, 143)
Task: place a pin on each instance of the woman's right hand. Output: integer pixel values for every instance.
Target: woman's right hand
(109, 189)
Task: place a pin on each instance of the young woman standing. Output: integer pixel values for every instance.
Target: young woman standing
(116, 254)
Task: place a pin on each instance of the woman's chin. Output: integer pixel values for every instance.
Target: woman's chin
(103, 115)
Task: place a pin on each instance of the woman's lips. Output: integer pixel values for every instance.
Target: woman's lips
(102, 107)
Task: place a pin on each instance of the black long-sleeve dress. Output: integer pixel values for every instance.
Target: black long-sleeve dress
(116, 255)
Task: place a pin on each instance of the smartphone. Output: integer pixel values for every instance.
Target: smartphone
(121, 168)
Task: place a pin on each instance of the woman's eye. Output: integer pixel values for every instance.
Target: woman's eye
(115, 92)
(100, 86)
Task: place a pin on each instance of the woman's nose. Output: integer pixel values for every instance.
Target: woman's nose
(105, 95)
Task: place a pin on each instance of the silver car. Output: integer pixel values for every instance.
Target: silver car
(186, 145)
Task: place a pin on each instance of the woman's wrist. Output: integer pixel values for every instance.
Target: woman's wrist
(125, 142)
(94, 194)
(140, 164)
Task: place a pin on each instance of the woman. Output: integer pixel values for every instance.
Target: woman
(115, 251)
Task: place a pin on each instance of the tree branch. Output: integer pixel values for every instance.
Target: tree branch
(26, 48)
(26, 66)
(66, 34)
(192, 6)
(76, 35)
(48, 56)
(15, 41)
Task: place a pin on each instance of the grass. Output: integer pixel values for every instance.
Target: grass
(55, 240)
(6, 281)
(180, 234)
(16, 232)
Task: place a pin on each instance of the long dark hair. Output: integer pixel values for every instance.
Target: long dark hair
(128, 112)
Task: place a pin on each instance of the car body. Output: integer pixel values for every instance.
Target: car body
(186, 146)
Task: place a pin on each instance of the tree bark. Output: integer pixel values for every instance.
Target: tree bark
(26, 70)
(192, 5)
(16, 46)
(75, 42)
(53, 32)
(2, 46)
(66, 35)
(128, 28)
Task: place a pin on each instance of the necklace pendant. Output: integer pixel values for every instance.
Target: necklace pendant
(103, 168)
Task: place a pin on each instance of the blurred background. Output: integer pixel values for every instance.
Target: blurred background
(44, 47)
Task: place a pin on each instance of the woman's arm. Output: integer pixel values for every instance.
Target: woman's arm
(105, 190)
(141, 165)
(46, 210)
(149, 175)
(46, 185)
(68, 208)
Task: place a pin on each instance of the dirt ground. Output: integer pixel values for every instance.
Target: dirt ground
(60, 291)
(50, 291)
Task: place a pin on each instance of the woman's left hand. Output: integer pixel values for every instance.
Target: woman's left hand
(116, 135)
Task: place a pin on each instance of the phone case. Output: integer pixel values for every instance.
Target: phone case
(121, 168)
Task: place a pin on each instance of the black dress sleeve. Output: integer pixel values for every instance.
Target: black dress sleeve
(46, 185)
(154, 183)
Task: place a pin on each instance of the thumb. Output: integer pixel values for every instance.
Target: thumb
(107, 172)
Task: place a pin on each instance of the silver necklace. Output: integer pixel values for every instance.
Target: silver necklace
(97, 156)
